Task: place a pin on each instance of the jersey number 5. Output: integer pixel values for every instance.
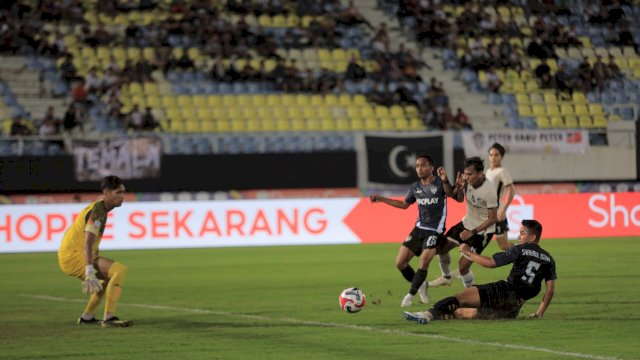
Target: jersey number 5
(532, 267)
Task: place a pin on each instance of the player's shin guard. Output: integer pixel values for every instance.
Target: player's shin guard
(444, 308)
(467, 280)
(94, 301)
(418, 280)
(445, 261)
(117, 275)
(408, 273)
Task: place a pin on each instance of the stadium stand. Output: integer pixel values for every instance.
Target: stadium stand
(229, 76)
(215, 67)
(567, 64)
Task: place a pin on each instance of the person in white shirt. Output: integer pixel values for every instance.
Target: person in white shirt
(477, 226)
(505, 190)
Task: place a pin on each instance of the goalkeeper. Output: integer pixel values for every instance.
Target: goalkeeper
(78, 256)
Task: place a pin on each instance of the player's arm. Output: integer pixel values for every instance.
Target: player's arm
(546, 299)
(89, 242)
(509, 193)
(491, 219)
(448, 188)
(392, 202)
(459, 187)
(480, 259)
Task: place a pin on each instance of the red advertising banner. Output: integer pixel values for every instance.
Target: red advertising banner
(144, 225)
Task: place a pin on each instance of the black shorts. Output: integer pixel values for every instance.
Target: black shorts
(502, 227)
(477, 242)
(420, 239)
(498, 300)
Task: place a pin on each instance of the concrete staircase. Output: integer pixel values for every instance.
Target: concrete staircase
(32, 94)
(482, 114)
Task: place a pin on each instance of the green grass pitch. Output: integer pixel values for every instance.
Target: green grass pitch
(282, 303)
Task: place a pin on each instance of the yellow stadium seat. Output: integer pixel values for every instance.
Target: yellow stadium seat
(566, 110)
(223, 125)
(193, 126)
(189, 113)
(599, 121)
(538, 110)
(416, 124)
(585, 122)
(214, 100)
(556, 122)
(229, 100)
(184, 100)
(596, 109)
(302, 100)
(402, 124)
(208, 126)
(543, 122)
(570, 122)
(268, 124)
(371, 124)
(253, 125)
(177, 126)
(382, 111)
(330, 100)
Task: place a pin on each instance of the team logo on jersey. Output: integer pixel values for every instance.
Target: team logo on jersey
(433, 189)
(97, 224)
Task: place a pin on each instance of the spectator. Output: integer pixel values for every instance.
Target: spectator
(354, 72)
(493, 81)
(134, 119)
(71, 119)
(150, 122)
(600, 73)
(460, 121)
(613, 69)
(542, 69)
(19, 127)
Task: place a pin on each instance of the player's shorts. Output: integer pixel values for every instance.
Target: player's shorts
(498, 300)
(420, 239)
(502, 227)
(477, 242)
(72, 263)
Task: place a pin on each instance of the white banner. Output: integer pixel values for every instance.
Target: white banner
(128, 158)
(152, 225)
(526, 141)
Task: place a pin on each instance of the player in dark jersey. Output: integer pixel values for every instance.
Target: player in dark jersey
(430, 194)
(502, 299)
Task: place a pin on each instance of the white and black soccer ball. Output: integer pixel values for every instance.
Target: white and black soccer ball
(352, 300)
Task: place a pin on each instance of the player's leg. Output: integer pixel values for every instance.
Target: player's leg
(418, 284)
(477, 243)
(466, 313)
(466, 275)
(116, 273)
(502, 230)
(402, 262)
(73, 264)
(452, 240)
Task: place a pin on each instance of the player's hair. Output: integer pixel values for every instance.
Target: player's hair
(426, 156)
(498, 147)
(476, 162)
(534, 227)
(110, 182)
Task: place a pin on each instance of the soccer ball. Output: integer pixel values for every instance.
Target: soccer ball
(352, 300)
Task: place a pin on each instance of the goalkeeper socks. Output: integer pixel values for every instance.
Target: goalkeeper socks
(445, 261)
(408, 273)
(117, 275)
(94, 301)
(418, 280)
(467, 279)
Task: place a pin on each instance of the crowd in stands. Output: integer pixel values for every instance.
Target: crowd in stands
(231, 48)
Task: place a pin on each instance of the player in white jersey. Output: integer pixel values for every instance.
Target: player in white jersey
(505, 189)
(477, 226)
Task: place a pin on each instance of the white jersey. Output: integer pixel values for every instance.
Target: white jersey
(500, 178)
(479, 201)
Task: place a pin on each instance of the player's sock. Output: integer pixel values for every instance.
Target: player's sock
(467, 280)
(94, 301)
(445, 261)
(408, 273)
(444, 308)
(117, 275)
(418, 280)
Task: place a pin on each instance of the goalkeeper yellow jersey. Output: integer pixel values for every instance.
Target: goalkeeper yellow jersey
(93, 219)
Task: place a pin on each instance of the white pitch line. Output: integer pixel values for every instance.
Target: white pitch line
(341, 326)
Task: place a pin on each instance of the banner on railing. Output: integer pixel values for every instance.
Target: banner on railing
(128, 158)
(389, 160)
(145, 225)
(528, 141)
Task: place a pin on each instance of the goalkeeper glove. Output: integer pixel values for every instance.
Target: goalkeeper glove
(91, 283)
